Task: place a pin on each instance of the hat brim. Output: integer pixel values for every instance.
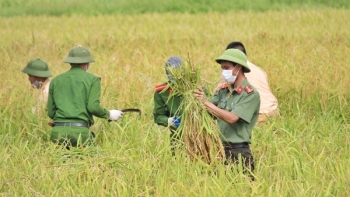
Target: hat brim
(246, 68)
(78, 60)
(37, 73)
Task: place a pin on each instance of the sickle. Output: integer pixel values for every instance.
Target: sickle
(129, 110)
(132, 110)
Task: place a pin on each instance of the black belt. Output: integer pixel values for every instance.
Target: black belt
(236, 145)
(71, 124)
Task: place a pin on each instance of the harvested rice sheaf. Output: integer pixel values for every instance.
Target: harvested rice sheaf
(200, 133)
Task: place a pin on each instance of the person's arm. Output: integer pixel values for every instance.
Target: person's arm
(244, 109)
(226, 116)
(160, 114)
(247, 106)
(51, 106)
(93, 104)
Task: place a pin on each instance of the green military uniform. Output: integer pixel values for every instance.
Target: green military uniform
(243, 103)
(165, 106)
(74, 97)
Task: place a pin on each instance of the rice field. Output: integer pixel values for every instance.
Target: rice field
(305, 152)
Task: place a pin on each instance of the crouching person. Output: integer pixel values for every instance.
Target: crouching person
(166, 111)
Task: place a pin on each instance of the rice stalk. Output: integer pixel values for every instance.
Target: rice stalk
(198, 129)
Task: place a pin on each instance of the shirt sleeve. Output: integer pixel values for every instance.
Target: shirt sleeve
(247, 106)
(51, 106)
(160, 114)
(93, 103)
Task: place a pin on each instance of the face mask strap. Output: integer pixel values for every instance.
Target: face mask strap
(237, 73)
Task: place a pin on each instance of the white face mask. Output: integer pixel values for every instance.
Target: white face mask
(36, 84)
(227, 75)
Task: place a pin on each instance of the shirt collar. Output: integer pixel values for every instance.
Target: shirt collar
(239, 88)
(77, 69)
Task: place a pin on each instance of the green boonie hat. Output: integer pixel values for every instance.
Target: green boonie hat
(236, 56)
(38, 68)
(79, 55)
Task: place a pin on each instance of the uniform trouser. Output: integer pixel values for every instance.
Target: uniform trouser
(263, 117)
(233, 155)
(71, 136)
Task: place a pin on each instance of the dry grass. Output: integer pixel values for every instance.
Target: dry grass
(198, 130)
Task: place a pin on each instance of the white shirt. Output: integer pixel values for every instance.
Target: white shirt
(258, 78)
(43, 96)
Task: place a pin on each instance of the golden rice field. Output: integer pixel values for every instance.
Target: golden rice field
(305, 152)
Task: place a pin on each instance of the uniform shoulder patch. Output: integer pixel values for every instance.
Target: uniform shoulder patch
(249, 89)
(161, 87)
(239, 90)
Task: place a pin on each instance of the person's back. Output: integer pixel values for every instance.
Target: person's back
(258, 78)
(71, 90)
(74, 97)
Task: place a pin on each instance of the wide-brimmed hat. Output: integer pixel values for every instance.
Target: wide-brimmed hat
(79, 55)
(236, 56)
(38, 68)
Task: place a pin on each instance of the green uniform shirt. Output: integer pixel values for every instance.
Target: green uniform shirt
(243, 102)
(74, 96)
(165, 106)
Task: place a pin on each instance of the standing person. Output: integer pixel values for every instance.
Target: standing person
(74, 97)
(258, 78)
(38, 75)
(166, 110)
(236, 107)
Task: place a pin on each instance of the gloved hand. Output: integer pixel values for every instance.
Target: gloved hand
(174, 121)
(114, 114)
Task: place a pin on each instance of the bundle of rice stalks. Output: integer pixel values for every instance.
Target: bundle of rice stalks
(199, 131)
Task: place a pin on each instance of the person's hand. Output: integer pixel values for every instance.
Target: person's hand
(222, 84)
(114, 114)
(177, 121)
(200, 95)
(174, 121)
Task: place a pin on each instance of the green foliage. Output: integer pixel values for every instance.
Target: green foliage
(107, 7)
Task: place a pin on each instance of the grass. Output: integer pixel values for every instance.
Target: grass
(127, 7)
(305, 152)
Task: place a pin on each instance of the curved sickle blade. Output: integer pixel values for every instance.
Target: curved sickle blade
(129, 110)
(132, 110)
